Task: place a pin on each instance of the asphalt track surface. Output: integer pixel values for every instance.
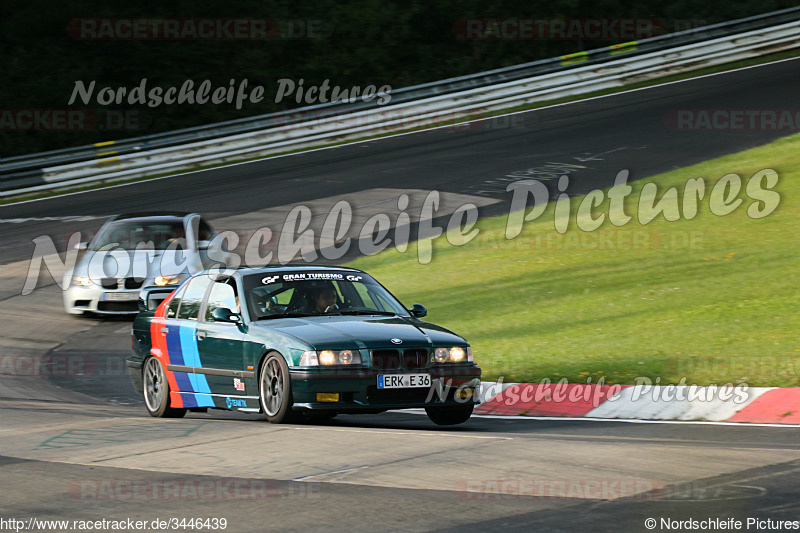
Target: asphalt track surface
(397, 471)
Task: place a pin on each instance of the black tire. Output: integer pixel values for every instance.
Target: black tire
(449, 416)
(275, 390)
(156, 391)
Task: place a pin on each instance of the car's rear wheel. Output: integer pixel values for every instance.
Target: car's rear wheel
(156, 391)
(448, 416)
(275, 390)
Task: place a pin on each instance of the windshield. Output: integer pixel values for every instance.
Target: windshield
(148, 234)
(295, 294)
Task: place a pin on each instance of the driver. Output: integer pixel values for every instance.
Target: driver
(323, 299)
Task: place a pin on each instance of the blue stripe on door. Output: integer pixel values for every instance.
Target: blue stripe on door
(184, 381)
(176, 355)
(188, 399)
(197, 400)
(174, 342)
(191, 356)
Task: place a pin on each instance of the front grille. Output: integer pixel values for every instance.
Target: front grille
(415, 359)
(411, 359)
(127, 307)
(133, 283)
(127, 283)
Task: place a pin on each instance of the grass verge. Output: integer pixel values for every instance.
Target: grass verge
(712, 299)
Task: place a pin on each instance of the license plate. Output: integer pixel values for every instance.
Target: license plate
(121, 296)
(403, 381)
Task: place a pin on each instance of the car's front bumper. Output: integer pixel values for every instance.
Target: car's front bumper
(96, 299)
(358, 389)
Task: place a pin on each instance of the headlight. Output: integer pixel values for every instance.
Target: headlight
(309, 358)
(82, 281)
(346, 357)
(327, 357)
(161, 281)
(456, 354)
(330, 358)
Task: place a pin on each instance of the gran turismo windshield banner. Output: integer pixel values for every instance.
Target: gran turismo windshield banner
(312, 276)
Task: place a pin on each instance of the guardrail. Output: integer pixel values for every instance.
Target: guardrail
(410, 107)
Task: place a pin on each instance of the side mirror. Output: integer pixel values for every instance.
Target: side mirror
(418, 310)
(82, 246)
(151, 297)
(223, 314)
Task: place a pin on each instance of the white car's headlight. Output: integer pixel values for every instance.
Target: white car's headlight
(82, 281)
(162, 281)
(330, 358)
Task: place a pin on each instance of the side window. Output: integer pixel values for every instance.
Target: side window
(193, 297)
(222, 295)
(205, 232)
(285, 297)
(383, 303)
(172, 310)
(372, 298)
(361, 289)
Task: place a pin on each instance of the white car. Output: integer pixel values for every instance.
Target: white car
(134, 251)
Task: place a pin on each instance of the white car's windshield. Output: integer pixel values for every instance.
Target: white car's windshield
(285, 294)
(144, 234)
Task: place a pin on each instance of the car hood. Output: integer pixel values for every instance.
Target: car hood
(139, 264)
(353, 332)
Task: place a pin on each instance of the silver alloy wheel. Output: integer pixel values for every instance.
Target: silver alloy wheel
(155, 385)
(272, 387)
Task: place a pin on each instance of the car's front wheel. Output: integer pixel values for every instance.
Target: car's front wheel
(448, 416)
(275, 390)
(156, 391)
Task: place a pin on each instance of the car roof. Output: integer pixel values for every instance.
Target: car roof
(152, 214)
(245, 271)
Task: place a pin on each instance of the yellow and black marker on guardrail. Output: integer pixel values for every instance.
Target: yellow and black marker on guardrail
(623, 48)
(571, 59)
(615, 49)
(105, 155)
